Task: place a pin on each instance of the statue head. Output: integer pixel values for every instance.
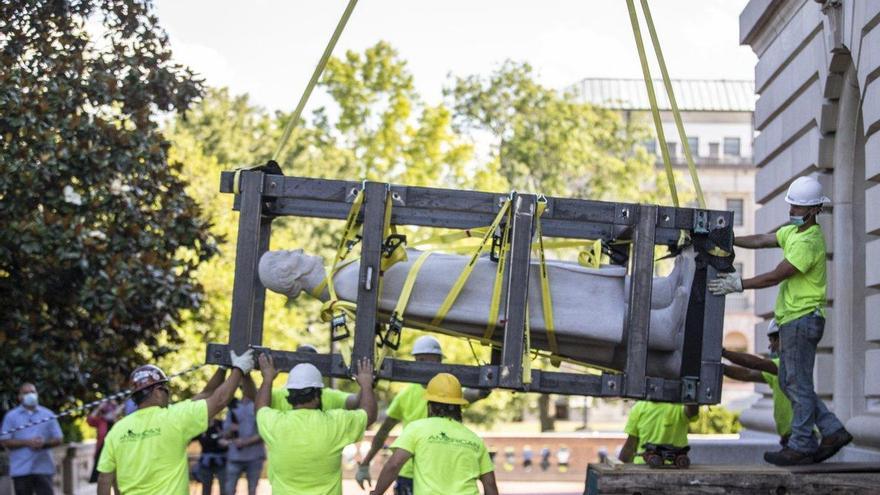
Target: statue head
(291, 271)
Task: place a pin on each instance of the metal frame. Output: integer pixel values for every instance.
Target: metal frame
(260, 197)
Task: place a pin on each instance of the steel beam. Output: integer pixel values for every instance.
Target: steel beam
(368, 279)
(709, 390)
(637, 319)
(518, 268)
(248, 294)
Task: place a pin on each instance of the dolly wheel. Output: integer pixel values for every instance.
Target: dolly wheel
(682, 462)
(654, 460)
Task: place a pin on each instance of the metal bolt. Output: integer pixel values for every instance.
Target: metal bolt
(273, 184)
(625, 212)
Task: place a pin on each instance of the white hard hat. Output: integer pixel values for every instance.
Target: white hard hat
(307, 348)
(427, 345)
(304, 375)
(805, 191)
(772, 327)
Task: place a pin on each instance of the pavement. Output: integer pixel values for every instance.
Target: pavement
(349, 487)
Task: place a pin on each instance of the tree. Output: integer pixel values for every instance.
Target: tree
(546, 141)
(100, 242)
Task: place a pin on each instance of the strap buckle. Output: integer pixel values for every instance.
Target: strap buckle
(351, 243)
(391, 339)
(497, 243)
(339, 328)
(391, 243)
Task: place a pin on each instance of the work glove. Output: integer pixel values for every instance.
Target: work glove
(363, 474)
(245, 362)
(725, 284)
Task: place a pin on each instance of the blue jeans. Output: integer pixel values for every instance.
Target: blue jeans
(252, 470)
(797, 356)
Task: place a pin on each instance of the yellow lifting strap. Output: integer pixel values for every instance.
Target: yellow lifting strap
(685, 144)
(546, 298)
(652, 98)
(495, 301)
(316, 74)
(408, 284)
(466, 272)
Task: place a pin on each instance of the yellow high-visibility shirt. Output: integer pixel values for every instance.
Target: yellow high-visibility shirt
(659, 423)
(448, 458)
(147, 448)
(305, 447)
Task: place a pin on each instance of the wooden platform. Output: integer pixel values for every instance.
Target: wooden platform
(836, 478)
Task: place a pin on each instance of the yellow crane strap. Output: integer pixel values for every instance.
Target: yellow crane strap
(652, 98)
(495, 301)
(408, 284)
(466, 272)
(316, 74)
(345, 243)
(546, 297)
(673, 105)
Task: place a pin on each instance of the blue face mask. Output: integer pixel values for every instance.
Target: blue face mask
(797, 220)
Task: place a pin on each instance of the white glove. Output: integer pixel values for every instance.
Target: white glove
(245, 362)
(363, 474)
(725, 284)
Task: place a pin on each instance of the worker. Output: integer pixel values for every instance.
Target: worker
(800, 314)
(145, 452)
(408, 406)
(658, 423)
(30, 449)
(446, 456)
(305, 443)
(750, 368)
(331, 398)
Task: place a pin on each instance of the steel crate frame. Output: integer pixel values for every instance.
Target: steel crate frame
(260, 197)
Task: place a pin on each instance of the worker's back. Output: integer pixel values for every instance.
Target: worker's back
(659, 423)
(305, 447)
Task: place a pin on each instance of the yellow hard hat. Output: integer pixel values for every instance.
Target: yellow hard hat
(445, 389)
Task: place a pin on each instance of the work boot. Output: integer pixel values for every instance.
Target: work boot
(788, 457)
(832, 444)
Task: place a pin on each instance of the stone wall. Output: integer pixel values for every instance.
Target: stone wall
(818, 114)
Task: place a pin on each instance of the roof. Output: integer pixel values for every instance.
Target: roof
(701, 95)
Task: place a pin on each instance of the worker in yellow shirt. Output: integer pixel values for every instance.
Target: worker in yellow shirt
(145, 452)
(800, 314)
(757, 369)
(305, 443)
(659, 423)
(330, 397)
(408, 406)
(446, 456)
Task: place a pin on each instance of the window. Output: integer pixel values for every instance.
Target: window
(694, 145)
(713, 149)
(650, 146)
(673, 149)
(731, 146)
(736, 206)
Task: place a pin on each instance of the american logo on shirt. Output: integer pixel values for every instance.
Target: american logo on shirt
(443, 438)
(133, 436)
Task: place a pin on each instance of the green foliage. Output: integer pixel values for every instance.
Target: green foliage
(100, 242)
(715, 419)
(547, 141)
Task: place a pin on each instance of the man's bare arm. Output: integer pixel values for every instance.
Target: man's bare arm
(379, 439)
(743, 374)
(215, 381)
(390, 470)
(782, 271)
(750, 361)
(105, 483)
(489, 485)
(629, 449)
(757, 241)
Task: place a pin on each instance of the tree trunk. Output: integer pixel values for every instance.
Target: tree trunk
(544, 411)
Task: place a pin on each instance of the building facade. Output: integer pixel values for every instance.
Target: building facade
(717, 117)
(818, 113)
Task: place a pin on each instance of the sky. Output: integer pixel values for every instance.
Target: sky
(269, 49)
